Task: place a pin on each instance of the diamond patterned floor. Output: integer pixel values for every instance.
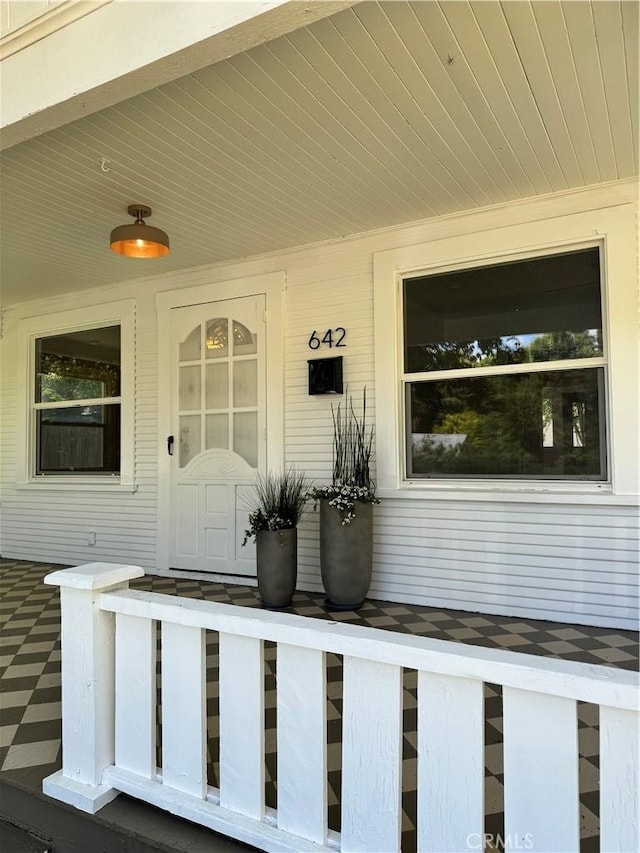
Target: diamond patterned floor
(30, 683)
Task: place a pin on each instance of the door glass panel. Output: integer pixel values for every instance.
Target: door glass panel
(245, 384)
(217, 338)
(190, 347)
(189, 438)
(244, 343)
(245, 436)
(216, 387)
(189, 388)
(216, 431)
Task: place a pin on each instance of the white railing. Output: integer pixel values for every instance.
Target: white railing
(109, 726)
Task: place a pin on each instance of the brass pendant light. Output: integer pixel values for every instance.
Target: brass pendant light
(139, 240)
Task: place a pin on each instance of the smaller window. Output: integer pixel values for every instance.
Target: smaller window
(77, 402)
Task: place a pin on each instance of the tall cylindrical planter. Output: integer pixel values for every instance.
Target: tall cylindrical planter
(346, 556)
(277, 562)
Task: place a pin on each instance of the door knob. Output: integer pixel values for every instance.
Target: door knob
(170, 445)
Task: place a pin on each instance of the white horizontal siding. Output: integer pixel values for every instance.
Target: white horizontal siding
(445, 557)
(564, 561)
(50, 525)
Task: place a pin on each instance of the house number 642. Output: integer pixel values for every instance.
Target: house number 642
(332, 338)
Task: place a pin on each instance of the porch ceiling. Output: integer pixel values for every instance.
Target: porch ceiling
(381, 114)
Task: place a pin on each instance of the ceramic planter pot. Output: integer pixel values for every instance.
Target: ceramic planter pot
(346, 556)
(277, 562)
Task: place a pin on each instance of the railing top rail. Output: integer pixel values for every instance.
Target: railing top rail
(570, 679)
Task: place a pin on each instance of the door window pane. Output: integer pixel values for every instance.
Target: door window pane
(83, 439)
(544, 424)
(539, 309)
(217, 431)
(245, 436)
(189, 438)
(82, 365)
(216, 392)
(189, 388)
(245, 384)
(217, 338)
(244, 342)
(190, 347)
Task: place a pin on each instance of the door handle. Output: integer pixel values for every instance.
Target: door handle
(170, 445)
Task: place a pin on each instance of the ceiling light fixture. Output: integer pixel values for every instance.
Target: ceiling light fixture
(139, 240)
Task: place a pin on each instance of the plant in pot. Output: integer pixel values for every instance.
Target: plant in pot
(276, 510)
(346, 510)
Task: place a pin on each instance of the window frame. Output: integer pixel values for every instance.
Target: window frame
(120, 313)
(612, 231)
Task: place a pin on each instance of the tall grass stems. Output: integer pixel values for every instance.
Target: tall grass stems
(352, 445)
(278, 501)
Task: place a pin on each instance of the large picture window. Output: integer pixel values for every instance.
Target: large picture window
(503, 370)
(77, 402)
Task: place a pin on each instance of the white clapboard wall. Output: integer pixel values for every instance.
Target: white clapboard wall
(559, 560)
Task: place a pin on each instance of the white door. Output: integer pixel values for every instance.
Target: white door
(218, 431)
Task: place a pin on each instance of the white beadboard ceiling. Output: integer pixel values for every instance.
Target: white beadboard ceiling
(384, 113)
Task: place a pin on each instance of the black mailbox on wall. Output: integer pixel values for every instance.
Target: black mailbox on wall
(325, 375)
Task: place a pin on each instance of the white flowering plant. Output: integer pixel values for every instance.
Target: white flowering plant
(278, 503)
(352, 451)
(343, 497)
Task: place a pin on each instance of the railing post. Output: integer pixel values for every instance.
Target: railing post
(88, 686)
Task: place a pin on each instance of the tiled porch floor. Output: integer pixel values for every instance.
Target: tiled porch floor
(30, 683)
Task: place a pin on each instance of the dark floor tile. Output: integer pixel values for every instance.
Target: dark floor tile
(13, 685)
(590, 844)
(45, 694)
(408, 749)
(11, 717)
(334, 731)
(493, 706)
(36, 732)
(492, 734)
(24, 657)
(410, 719)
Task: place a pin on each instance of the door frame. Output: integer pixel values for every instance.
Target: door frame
(272, 285)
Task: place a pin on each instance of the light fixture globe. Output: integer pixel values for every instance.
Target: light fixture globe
(139, 240)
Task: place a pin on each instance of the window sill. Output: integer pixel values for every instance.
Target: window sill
(51, 484)
(511, 492)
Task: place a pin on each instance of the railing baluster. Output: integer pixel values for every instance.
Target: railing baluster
(242, 725)
(136, 694)
(619, 773)
(302, 735)
(541, 806)
(184, 746)
(450, 763)
(371, 756)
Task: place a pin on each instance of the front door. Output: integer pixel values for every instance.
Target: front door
(218, 432)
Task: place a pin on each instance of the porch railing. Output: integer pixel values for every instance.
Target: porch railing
(109, 726)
